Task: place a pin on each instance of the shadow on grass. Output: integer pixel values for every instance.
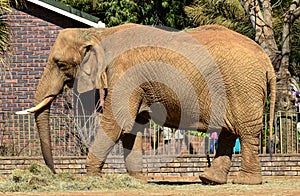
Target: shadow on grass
(174, 183)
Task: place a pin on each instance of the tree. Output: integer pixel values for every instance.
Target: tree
(272, 23)
(4, 32)
(168, 12)
(228, 13)
(4, 28)
(260, 14)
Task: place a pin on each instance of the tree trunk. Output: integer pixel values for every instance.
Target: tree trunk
(260, 14)
(261, 20)
(284, 97)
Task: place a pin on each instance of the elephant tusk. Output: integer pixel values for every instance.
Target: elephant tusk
(37, 107)
(23, 112)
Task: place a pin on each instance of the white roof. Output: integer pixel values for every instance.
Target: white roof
(68, 14)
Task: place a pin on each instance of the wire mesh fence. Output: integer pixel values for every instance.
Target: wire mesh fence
(71, 136)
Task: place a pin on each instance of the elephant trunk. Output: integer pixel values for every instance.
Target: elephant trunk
(42, 122)
(50, 85)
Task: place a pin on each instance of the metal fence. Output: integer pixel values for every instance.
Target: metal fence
(286, 132)
(71, 136)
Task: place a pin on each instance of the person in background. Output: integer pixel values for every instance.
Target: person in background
(296, 95)
(237, 146)
(167, 134)
(179, 137)
(213, 142)
(155, 139)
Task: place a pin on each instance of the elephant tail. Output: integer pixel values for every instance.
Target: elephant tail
(271, 78)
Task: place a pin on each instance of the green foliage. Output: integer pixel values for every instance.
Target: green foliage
(197, 133)
(279, 8)
(228, 13)
(295, 50)
(265, 137)
(4, 36)
(117, 12)
(168, 12)
(110, 12)
(4, 30)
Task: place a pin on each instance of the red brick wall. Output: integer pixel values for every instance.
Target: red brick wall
(161, 167)
(31, 39)
(33, 32)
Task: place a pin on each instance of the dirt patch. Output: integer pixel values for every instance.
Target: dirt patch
(38, 180)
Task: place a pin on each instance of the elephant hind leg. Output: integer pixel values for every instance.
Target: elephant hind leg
(217, 173)
(250, 172)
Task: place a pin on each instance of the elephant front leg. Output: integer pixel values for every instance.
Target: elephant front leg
(103, 144)
(217, 173)
(94, 165)
(250, 172)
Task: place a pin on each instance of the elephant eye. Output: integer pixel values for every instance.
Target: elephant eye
(61, 65)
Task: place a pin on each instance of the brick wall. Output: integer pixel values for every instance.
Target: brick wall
(31, 40)
(161, 167)
(33, 32)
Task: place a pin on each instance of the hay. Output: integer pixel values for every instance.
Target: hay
(39, 178)
(34, 178)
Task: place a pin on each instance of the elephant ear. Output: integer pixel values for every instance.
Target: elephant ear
(90, 69)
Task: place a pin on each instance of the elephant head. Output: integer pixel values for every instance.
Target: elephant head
(70, 55)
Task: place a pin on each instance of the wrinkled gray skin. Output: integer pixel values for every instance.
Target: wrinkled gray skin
(212, 79)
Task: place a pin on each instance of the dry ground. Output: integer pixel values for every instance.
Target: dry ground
(37, 179)
(190, 186)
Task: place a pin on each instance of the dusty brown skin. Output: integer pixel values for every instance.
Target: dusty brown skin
(246, 72)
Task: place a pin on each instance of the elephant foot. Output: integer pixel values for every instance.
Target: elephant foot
(213, 177)
(139, 177)
(93, 165)
(248, 178)
(212, 180)
(217, 173)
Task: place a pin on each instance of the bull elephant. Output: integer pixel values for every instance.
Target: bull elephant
(207, 79)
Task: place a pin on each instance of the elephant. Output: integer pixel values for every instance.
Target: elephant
(208, 78)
